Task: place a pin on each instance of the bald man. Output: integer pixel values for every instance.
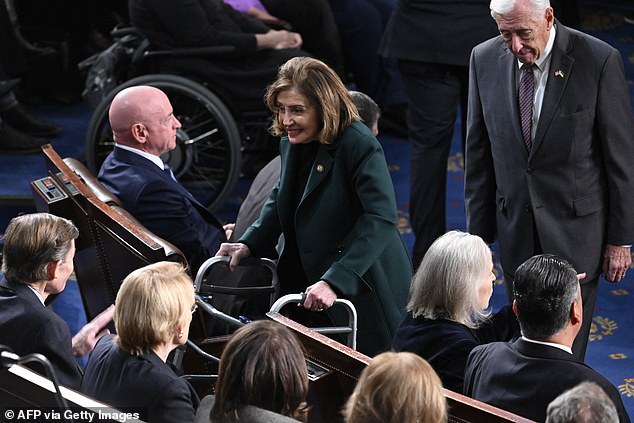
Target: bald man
(144, 127)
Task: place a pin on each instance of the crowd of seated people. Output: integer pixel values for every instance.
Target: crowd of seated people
(263, 374)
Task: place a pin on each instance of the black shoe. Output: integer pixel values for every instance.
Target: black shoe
(14, 141)
(23, 121)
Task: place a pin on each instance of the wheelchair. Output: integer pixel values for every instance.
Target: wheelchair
(218, 139)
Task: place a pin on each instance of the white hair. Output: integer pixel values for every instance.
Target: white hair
(503, 7)
(445, 285)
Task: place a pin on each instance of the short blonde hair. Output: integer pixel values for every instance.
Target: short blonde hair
(323, 89)
(445, 285)
(150, 304)
(397, 388)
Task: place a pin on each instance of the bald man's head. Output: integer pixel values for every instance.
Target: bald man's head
(142, 117)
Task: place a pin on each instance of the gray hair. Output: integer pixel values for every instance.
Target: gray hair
(32, 241)
(503, 7)
(544, 289)
(445, 285)
(368, 109)
(585, 403)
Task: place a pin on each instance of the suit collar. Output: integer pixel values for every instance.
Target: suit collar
(507, 65)
(532, 349)
(22, 290)
(560, 64)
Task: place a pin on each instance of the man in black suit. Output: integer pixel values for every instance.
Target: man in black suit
(144, 127)
(549, 156)
(525, 376)
(431, 41)
(37, 261)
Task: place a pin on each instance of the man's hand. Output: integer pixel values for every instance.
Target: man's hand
(319, 296)
(84, 341)
(236, 250)
(616, 260)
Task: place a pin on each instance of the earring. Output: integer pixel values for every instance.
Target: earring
(180, 334)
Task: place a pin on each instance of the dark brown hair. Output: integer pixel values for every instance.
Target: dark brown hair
(262, 365)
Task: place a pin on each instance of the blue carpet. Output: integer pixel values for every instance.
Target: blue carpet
(611, 349)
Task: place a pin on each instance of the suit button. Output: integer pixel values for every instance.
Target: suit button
(340, 249)
(527, 208)
(529, 170)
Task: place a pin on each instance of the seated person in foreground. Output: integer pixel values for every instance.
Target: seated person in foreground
(243, 74)
(153, 310)
(585, 403)
(523, 377)
(37, 261)
(262, 378)
(144, 127)
(397, 388)
(447, 310)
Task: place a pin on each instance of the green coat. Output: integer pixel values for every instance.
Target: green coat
(346, 231)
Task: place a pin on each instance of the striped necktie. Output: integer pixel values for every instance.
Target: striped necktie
(525, 102)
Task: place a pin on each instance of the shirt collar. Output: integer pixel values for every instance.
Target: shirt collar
(541, 62)
(550, 344)
(39, 297)
(151, 157)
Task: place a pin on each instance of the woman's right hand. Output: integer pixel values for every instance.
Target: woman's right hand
(236, 250)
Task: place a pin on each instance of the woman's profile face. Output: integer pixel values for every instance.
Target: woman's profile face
(298, 116)
(485, 285)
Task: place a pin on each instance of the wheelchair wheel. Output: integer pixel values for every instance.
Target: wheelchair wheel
(207, 156)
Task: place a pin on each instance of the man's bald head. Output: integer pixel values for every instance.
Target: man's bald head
(142, 117)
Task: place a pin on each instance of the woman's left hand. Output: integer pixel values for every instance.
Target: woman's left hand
(319, 296)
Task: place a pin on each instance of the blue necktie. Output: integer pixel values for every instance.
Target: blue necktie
(166, 168)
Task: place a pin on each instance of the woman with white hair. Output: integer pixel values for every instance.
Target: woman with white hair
(448, 312)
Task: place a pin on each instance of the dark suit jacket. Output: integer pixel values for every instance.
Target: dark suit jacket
(524, 377)
(142, 384)
(576, 183)
(345, 227)
(437, 31)
(248, 414)
(446, 344)
(27, 326)
(162, 205)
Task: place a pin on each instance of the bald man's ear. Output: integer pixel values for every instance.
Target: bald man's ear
(139, 132)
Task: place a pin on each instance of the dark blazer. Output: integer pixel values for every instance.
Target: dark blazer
(144, 384)
(435, 31)
(248, 414)
(524, 377)
(446, 344)
(162, 205)
(345, 227)
(27, 326)
(576, 183)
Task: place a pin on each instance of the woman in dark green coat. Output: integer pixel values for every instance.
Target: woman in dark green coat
(334, 204)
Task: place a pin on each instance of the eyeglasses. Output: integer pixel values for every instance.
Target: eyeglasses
(194, 308)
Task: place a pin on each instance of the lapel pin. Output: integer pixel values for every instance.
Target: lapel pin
(320, 168)
(559, 73)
